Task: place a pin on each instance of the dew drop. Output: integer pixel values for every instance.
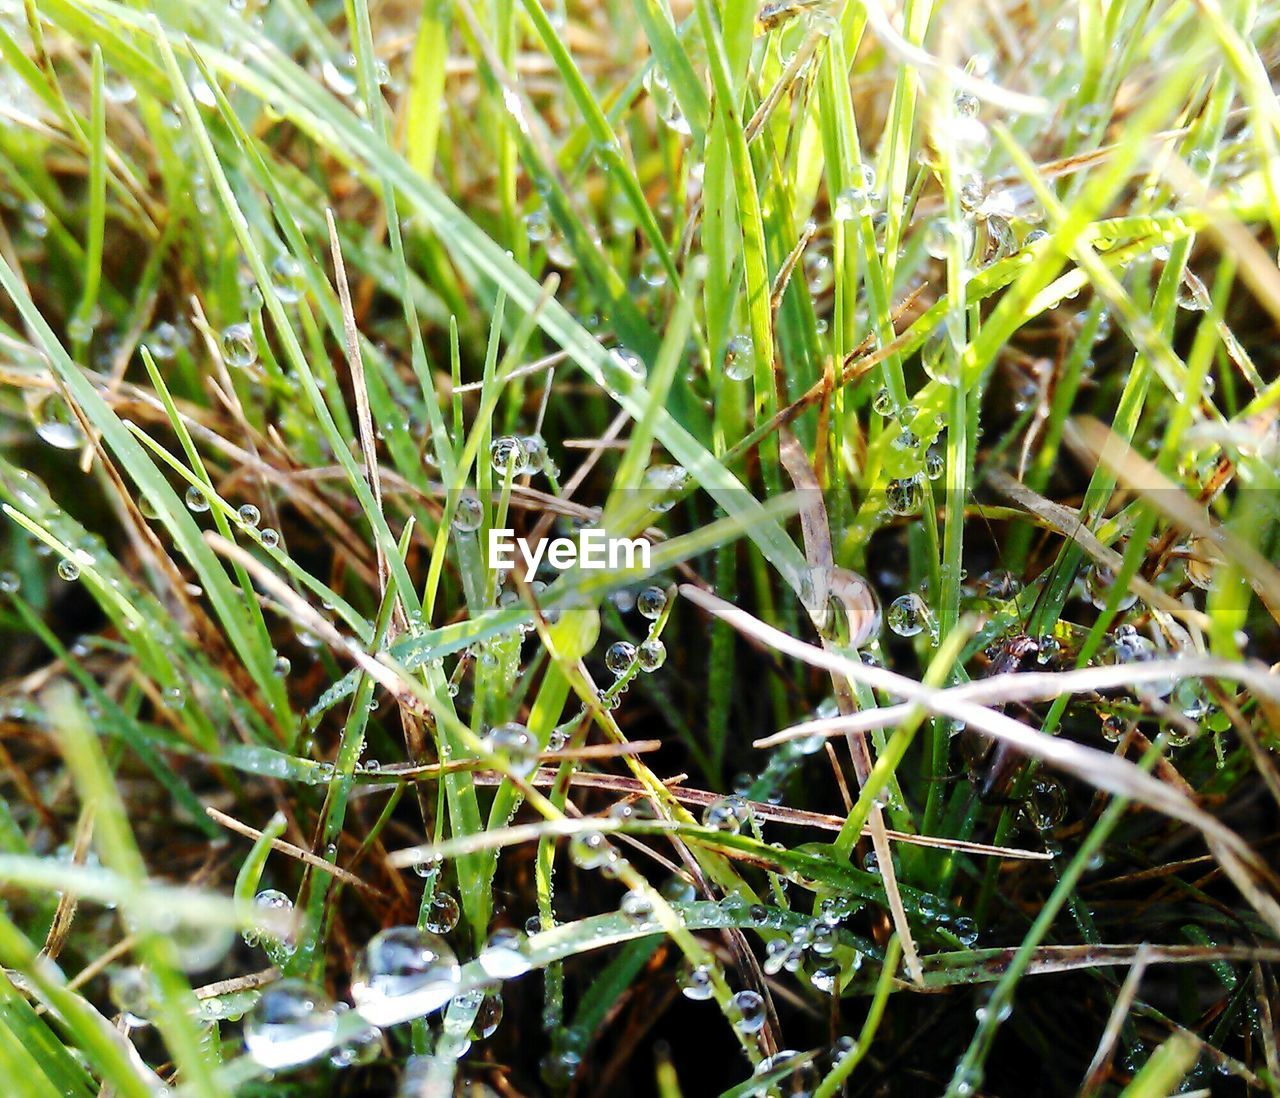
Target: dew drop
(619, 656)
(468, 515)
(53, 419)
(196, 500)
(739, 358)
(908, 614)
(727, 814)
(696, 982)
(443, 913)
(403, 973)
(291, 1023)
(507, 456)
(746, 1008)
(505, 955)
(239, 349)
(651, 602)
(515, 743)
(651, 655)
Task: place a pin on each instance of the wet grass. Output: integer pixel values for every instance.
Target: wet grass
(933, 355)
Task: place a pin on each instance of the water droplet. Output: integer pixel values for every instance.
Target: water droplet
(197, 501)
(248, 514)
(488, 1016)
(442, 916)
(515, 743)
(790, 1072)
(727, 814)
(746, 1008)
(505, 955)
(973, 190)
(739, 358)
(651, 602)
(651, 655)
(339, 76)
(630, 363)
(825, 977)
(291, 1023)
(507, 456)
(281, 667)
(590, 850)
(1098, 581)
(636, 906)
(665, 104)
(1000, 240)
(537, 226)
(68, 569)
(905, 495)
(668, 481)
(966, 104)
(133, 994)
(653, 271)
(468, 515)
(239, 349)
(696, 982)
(10, 584)
(908, 615)
(269, 538)
(1047, 803)
(403, 973)
(619, 656)
(53, 419)
(286, 278)
(882, 403)
(535, 453)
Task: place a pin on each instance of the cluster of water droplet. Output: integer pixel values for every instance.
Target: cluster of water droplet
(623, 658)
(516, 455)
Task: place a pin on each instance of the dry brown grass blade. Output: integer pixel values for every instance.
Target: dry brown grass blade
(1067, 522)
(364, 417)
(232, 824)
(766, 813)
(827, 582)
(1098, 768)
(1115, 1023)
(65, 913)
(1039, 686)
(1092, 440)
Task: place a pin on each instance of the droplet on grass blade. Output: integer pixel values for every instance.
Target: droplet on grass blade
(403, 973)
(292, 1023)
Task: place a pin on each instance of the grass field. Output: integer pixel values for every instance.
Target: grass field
(930, 349)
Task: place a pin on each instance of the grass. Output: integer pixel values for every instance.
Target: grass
(932, 351)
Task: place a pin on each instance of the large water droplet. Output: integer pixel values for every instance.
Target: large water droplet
(53, 419)
(619, 656)
(442, 914)
(239, 348)
(651, 602)
(516, 744)
(505, 955)
(908, 615)
(746, 1008)
(290, 1024)
(739, 358)
(403, 973)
